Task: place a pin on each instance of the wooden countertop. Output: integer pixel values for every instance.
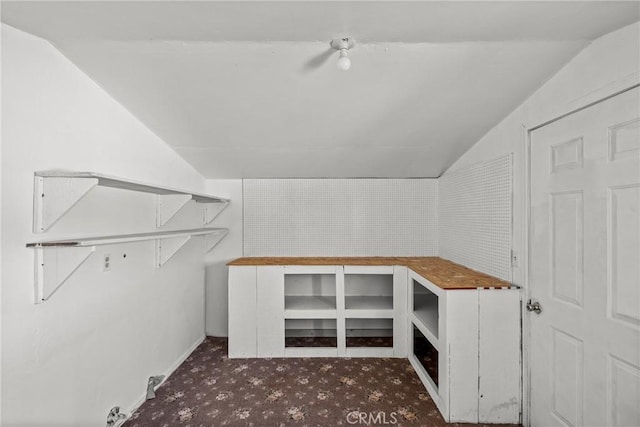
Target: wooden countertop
(441, 272)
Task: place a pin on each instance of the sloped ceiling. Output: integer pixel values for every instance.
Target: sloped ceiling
(250, 89)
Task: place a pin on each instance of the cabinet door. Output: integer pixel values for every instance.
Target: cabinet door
(242, 311)
(458, 364)
(499, 356)
(270, 311)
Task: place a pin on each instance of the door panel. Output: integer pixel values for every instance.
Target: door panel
(567, 376)
(624, 229)
(567, 247)
(624, 394)
(584, 267)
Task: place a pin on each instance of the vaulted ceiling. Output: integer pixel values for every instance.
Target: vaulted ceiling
(250, 89)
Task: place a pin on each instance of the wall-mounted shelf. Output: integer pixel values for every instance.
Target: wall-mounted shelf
(57, 191)
(56, 260)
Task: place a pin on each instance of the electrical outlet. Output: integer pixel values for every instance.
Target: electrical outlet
(515, 258)
(106, 263)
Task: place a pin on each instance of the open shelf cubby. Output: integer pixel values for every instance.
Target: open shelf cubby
(426, 354)
(368, 291)
(369, 332)
(425, 307)
(310, 292)
(310, 333)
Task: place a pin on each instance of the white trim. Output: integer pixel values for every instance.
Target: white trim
(609, 90)
(525, 377)
(311, 352)
(427, 382)
(170, 370)
(371, 352)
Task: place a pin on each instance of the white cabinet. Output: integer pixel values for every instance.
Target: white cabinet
(375, 307)
(317, 311)
(242, 312)
(313, 297)
(465, 347)
(269, 308)
(463, 343)
(256, 306)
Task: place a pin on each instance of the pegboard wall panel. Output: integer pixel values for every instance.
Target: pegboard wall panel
(340, 217)
(475, 216)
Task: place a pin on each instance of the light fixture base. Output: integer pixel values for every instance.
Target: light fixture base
(343, 43)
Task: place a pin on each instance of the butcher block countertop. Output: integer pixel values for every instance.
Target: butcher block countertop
(441, 272)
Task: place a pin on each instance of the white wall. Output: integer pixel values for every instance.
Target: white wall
(474, 216)
(217, 273)
(93, 345)
(381, 214)
(606, 62)
(340, 217)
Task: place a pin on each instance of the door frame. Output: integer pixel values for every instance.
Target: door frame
(594, 97)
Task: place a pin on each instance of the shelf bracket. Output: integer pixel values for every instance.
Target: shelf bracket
(167, 205)
(211, 240)
(167, 247)
(54, 265)
(212, 210)
(54, 196)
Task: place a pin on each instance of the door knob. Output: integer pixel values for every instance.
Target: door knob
(534, 306)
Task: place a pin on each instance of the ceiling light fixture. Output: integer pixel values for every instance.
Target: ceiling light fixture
(342, 46)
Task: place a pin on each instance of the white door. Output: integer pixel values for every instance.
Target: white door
(584, 267)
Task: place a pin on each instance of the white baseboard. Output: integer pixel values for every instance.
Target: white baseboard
(134, 407)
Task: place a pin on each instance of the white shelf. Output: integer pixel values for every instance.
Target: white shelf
(57, 191)
(426, 331)
(57, 260)
(126, 238)
(310, 302)
(426, 311)
(128, 184)
(310, 307)
(366, 302)
(369, 314)
(368, 307)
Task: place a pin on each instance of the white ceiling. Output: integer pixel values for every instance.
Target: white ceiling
(250, 89)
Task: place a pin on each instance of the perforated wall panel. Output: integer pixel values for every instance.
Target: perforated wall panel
(475, 216)
(340, 217)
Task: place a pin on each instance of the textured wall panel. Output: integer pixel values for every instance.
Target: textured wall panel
(340, 217)
(475, 216)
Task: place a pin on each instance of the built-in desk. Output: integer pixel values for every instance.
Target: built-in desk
(459, 328)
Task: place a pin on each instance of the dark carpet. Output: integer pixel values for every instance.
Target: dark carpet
(209, 390)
